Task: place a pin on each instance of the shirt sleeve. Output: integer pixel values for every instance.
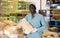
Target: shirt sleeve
(43, 23)
(26, 17)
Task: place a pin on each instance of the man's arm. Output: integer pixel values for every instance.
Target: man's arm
(43, 23)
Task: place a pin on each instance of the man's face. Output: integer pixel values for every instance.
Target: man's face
(32, 9)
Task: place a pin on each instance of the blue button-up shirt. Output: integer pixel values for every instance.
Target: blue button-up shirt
(37, 22)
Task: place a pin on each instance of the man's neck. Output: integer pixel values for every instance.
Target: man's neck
(33, 13)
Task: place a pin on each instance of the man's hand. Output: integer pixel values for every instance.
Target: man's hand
(34, 30)
(25, 34)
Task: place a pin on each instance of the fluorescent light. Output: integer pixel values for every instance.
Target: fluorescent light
(58, 7)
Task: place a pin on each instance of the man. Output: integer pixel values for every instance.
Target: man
(37, 21)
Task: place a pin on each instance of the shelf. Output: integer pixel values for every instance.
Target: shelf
(13, 15)
(55, 14)
(54, 20)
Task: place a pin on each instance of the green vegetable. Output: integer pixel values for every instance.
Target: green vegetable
(15, 12)
(6, 4)
(7, 10)
(5, 18)
(14, 18)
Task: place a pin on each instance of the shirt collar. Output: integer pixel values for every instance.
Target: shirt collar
(34, 14)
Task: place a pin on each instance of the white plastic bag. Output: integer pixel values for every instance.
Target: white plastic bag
(14, 36)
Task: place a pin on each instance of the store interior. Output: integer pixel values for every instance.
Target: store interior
(11, 11)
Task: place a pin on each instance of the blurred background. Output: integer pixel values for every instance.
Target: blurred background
(14, 10)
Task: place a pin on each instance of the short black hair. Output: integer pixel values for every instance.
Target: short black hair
(32, 5)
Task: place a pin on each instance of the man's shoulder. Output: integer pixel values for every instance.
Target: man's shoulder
(39, 15)
(28, 14)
